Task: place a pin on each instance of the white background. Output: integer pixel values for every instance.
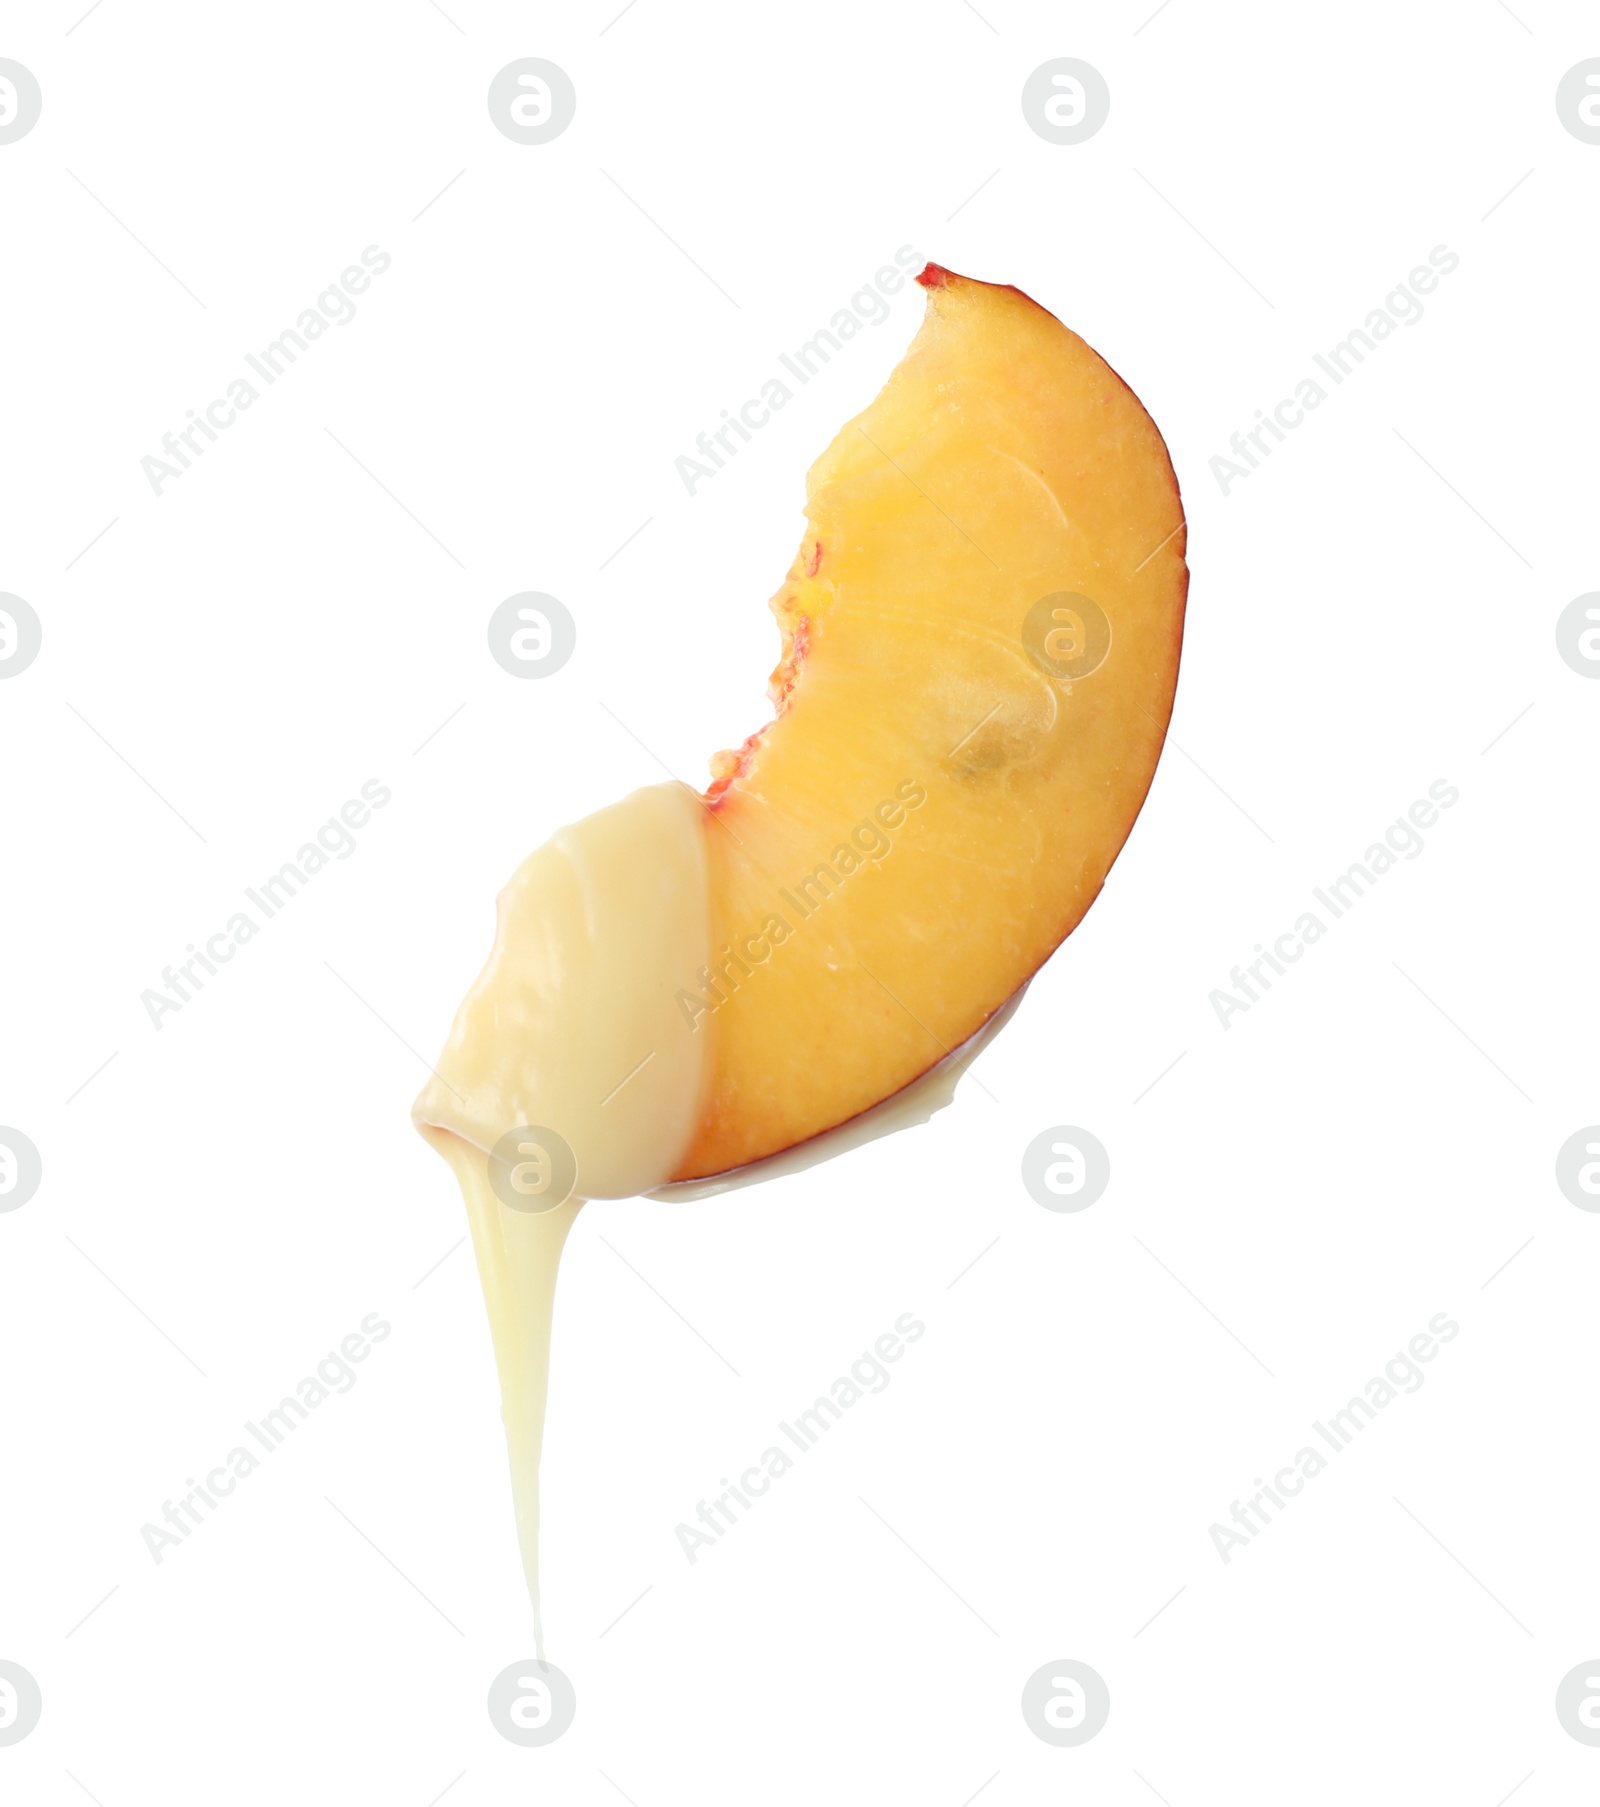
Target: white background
(1326, 1174)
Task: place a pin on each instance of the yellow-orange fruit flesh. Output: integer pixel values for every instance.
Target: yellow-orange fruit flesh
(1003, 462)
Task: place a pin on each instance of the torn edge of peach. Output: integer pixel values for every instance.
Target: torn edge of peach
(727, 767)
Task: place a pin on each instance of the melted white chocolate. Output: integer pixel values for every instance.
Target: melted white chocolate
(517, 1259)
(572, 1026)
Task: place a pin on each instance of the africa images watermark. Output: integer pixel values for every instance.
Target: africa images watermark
(1401, 1374)
(334, 1374)
(868, 307)
(335, 840)
(1402, 306)
(868, 1374)
(868, 843)
(1401, 840)
(335, 306)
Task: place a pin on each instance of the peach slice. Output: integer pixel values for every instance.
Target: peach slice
(981, 635)
(980, 645)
